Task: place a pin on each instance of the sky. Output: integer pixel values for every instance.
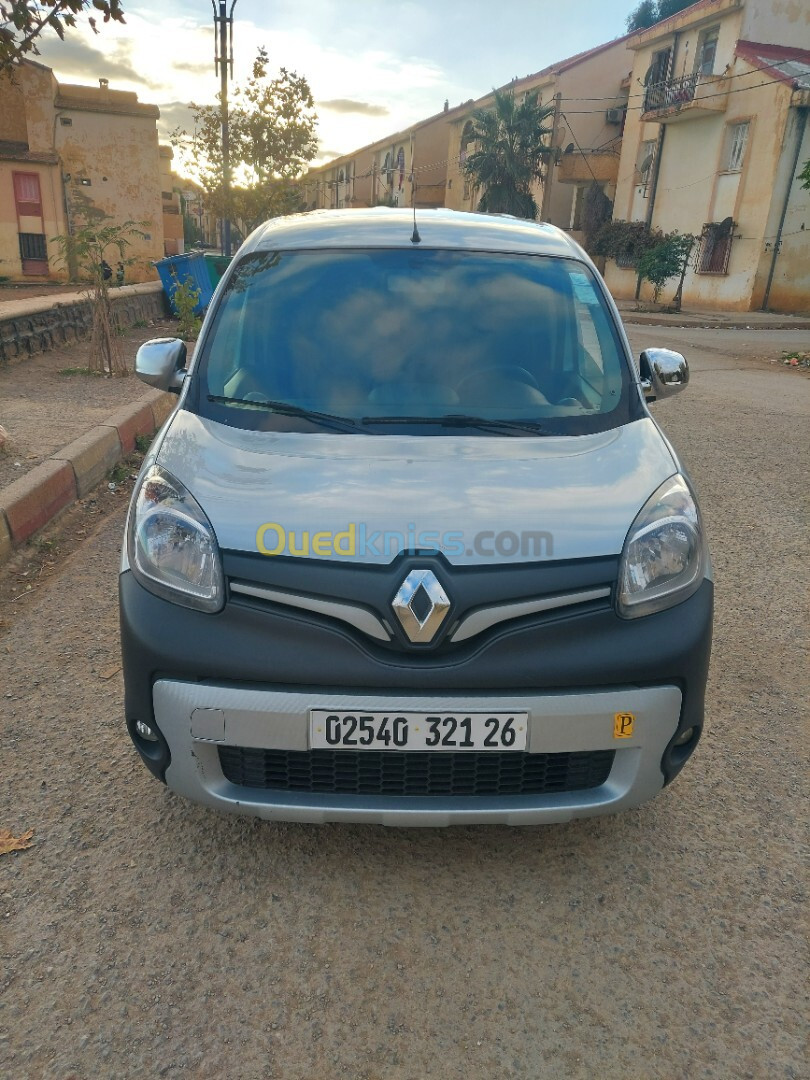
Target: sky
(374, 66)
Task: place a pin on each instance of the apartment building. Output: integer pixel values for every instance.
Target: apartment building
(423, 165)
(407, 168)
(71, 154)
(716, 132)
(173, 238)
(590, 91)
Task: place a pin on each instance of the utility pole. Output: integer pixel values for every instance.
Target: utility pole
(223, 64)
(546, 200)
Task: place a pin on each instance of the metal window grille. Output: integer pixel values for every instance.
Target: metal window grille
(33, 246)
(625, 261)
(715, 247)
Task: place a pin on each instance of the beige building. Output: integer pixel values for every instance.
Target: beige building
(173, 239)
(404, 169)
(716, 133)
(70, 154)
(423, 165)
(592, 88)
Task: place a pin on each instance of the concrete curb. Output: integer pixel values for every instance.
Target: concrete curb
(30, 503)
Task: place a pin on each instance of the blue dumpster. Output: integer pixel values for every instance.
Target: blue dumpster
(174, 270)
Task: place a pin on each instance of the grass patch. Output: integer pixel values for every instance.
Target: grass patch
(80, 371)
(120, 472)
(143, 442)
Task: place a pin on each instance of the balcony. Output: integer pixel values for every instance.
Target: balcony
(689, 97)
(575, 168)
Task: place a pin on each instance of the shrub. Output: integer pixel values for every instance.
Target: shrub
(664, 260)
(185, 298)
(624, 241)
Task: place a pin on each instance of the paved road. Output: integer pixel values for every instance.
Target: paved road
(143, 936)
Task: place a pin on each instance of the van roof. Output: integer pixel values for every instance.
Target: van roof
(387, 227)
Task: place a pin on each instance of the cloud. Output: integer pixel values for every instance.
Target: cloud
(347, 105)
(194, 69)
(75, 59)
(175, 114)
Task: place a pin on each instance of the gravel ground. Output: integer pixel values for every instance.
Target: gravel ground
(43, 411)
(144, 936)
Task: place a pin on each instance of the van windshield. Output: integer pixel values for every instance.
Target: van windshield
(413, 341)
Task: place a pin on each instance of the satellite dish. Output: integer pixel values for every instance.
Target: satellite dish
(569, 149)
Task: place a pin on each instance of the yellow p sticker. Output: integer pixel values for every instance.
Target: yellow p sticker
(623, 725)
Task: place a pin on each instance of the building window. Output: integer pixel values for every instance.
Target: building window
(736, 140)
(715, 247)
(706, 51)
(576, 207)
(32, 246)
(655, 81)
(646, 162)
(467, 138)
(66, 121)
(27, 195)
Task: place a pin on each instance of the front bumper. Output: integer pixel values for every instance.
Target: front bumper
(196, 719)
(248, 677)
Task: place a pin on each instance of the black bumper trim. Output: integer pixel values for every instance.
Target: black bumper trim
(294, 650)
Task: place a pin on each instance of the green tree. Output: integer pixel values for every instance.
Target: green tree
(23, 21)
(664, 260)
(86, 248)
(646, 14)
(649, 12)
(512, 146)
(804, 175)
(272, 126)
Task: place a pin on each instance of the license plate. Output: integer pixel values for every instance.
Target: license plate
(417, 731)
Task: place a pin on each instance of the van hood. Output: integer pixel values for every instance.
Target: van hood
(366, 498)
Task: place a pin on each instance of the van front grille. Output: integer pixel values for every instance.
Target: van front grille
(402, 772)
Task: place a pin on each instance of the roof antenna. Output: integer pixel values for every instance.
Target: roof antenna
(415, 237)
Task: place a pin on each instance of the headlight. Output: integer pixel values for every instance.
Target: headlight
(664, 559)
(171, 545)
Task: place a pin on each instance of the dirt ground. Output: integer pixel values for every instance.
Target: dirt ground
(43, 410)
(143, 936)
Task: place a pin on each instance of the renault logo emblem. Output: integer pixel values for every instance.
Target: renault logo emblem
(421, 605)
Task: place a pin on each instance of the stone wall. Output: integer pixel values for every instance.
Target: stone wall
(23, 335)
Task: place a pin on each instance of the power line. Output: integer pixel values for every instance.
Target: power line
(640, 108)
(737, 75)
(582, 152)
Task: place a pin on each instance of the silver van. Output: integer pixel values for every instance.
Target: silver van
(411, 548)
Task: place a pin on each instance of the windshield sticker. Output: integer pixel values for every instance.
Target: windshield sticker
(583, 289)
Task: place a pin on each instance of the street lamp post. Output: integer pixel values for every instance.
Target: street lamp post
(223, 64)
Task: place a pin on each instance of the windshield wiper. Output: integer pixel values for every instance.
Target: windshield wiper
(460, 420)
(286, 408)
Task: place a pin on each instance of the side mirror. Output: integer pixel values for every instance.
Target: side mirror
(663, 373)
(161, 363)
